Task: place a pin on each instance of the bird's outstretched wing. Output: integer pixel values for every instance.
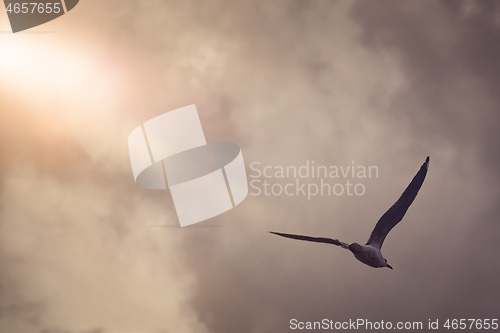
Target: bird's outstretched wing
(398, 210)
(313, 239)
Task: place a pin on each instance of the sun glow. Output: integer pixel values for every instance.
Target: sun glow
(57, 90)
(39, 67)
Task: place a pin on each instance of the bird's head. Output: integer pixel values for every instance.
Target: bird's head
(387, 265)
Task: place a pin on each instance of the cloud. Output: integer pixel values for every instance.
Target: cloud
(383, 84)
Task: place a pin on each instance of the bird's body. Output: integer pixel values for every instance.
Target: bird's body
(370, 254)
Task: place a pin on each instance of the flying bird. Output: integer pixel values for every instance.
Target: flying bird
(369, 253)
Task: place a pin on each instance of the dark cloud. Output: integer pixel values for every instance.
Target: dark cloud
(383, 83)
(451, 64)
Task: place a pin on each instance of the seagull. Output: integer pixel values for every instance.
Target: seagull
(369, 253)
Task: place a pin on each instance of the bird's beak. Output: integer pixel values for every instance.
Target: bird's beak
(389, 266)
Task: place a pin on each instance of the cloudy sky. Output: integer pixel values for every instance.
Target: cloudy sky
(383, 83)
